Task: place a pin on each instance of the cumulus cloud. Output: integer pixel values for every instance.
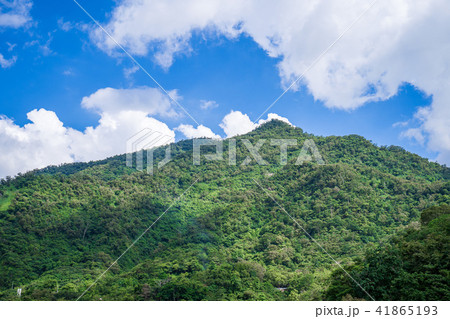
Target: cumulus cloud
(393, 43)
(237, 123)
(273, 116)
(201, 131)
(46, 141)
(124, 112)
(15, 14)
(164, 27)
(110, 136)
(6, 63)
(42, 142)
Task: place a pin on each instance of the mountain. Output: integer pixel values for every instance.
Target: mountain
(227, 232)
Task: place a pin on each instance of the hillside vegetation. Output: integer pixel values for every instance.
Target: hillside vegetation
(225, 238)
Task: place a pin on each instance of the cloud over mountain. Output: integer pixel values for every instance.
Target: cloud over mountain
(46, 140)
(393, 43)
(237, 123)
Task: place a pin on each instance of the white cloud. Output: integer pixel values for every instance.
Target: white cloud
(144, 99)
(401, 124)
(6, 63)
(205, 105)
(44, 48)
(236, 123)
(166, 26)
(273, 116)
(124, 112)
(47, 141)
(393, 43)
(233, 124)
(40, 143)
(110, 136)
(414, 133)
(128, 72)
(201, 131)
(15, 14)
(65, 25)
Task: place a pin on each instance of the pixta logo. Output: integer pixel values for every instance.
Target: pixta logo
(143, 144)
(308, 153)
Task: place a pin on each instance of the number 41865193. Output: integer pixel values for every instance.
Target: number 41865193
(407, 310)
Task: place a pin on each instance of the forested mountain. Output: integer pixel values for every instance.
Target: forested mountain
(227, 237)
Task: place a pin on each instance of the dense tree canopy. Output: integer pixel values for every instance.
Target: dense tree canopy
(225, 239)
(412, 265)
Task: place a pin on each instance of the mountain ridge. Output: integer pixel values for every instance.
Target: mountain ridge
(275, 126)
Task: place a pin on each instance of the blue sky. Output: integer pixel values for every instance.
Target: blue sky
(58, 62)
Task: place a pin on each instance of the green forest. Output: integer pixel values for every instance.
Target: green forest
(382, 213)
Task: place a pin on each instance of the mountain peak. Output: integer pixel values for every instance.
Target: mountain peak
(275, 124)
